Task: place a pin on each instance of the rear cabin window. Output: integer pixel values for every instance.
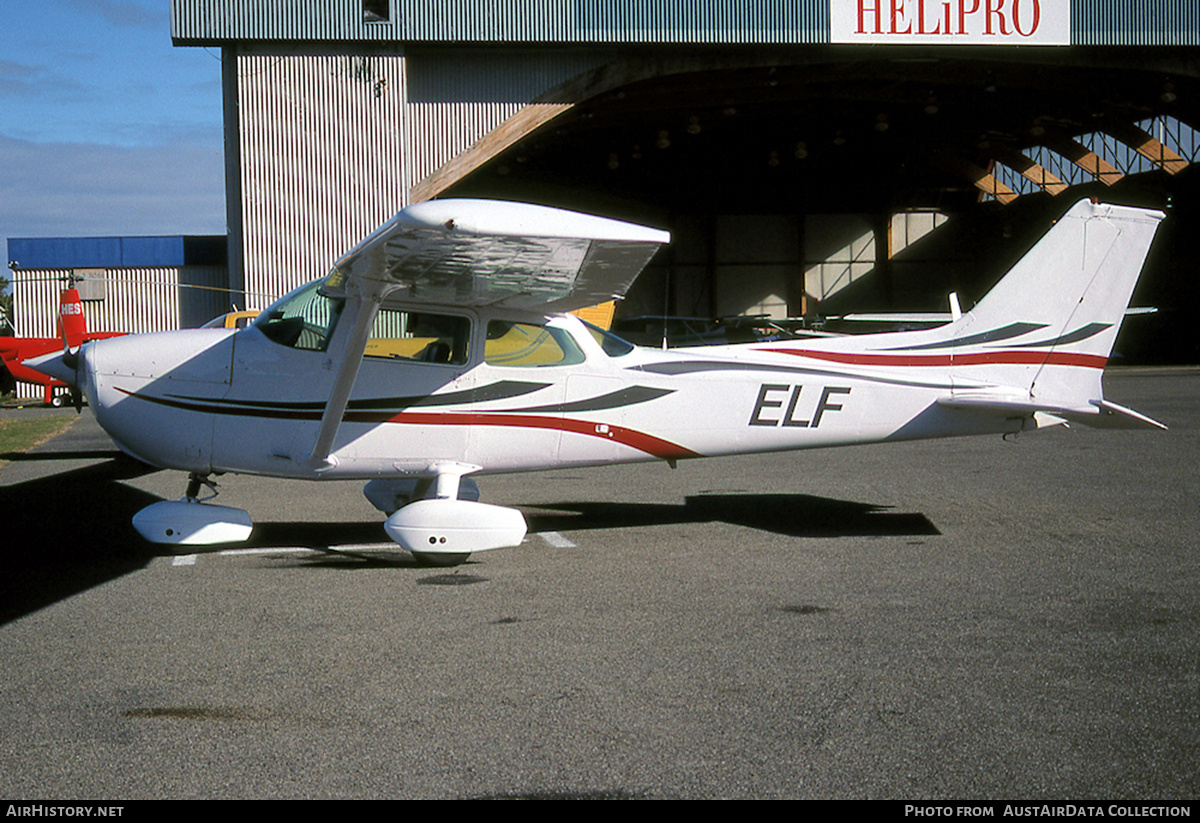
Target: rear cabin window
(529, 345)
(613, 346)
(419, 337)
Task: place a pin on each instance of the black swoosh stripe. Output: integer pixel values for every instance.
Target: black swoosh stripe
(367, 413)
(501, 390)
(629, 396)
(696, 366)
(1090, 330)
(1006, 333)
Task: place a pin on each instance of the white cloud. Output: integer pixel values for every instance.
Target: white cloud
(81, 190)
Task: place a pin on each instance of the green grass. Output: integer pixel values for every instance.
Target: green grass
(17, 436)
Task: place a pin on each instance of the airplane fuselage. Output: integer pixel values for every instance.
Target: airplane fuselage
(243, 402)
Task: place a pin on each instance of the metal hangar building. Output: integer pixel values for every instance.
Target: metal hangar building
(809, 156)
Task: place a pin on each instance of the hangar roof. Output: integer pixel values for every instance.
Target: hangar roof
(846, 128)
(38, 253)
(721, 22)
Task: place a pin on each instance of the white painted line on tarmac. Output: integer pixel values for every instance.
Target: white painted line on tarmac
(556, 540)
(184, 560)
(272, 550)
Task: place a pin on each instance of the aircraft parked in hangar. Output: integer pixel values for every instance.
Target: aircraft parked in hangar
(436, 349)
(72, 327)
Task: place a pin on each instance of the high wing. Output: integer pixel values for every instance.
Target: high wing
(477, 253)
(487, 252)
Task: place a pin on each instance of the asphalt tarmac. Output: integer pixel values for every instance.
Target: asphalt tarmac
(966, 619)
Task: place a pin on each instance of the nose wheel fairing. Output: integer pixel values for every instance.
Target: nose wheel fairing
(188, 522)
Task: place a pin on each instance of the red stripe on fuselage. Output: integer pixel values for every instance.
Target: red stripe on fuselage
(656, 446)
(1015, 358)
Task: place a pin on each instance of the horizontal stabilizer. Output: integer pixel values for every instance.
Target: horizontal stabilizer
(1098, 413)
(53, 365)
(1012, 407)
(1113, 416)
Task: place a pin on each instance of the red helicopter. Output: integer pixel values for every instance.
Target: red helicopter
(72, 330)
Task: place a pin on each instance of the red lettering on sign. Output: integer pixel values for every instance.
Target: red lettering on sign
(863, 7)
(897, 16)
(953, 18)
(1034, 23)
(964, 12)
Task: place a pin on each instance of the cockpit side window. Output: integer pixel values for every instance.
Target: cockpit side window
(304, 319)
(419, 336)
(529, 345)
(613, 346)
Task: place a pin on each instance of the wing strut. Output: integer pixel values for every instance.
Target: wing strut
(363, 308)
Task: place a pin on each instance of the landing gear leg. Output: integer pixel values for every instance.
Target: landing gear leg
(195, 481)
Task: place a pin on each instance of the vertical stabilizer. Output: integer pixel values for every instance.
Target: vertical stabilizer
(1048, 327)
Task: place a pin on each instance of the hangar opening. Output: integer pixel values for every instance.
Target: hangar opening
(849, 182)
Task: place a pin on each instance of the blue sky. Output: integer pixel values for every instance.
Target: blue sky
(105, 127)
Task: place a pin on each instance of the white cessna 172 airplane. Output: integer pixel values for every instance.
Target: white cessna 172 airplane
(436, 349)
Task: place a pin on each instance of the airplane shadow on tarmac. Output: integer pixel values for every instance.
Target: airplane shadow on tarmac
(70, 531)
(791, 515)
(75, 531)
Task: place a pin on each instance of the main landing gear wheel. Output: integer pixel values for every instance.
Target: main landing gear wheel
(438, 518)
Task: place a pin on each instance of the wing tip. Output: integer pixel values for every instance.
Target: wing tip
(506, 217)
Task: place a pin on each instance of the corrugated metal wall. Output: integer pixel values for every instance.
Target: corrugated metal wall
(455, 98)
(214, 21)
(608, 21)
(330, 143)
(547, 21)
(439, 132)
(135, 300)
(1093, 22)
(1135, 22)
(321, 158)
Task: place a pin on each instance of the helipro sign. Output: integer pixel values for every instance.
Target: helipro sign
(951, 22)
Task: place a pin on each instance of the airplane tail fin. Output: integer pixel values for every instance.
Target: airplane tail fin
(71, 324)
(1045, 332)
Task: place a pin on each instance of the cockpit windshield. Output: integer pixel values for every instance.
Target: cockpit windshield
(303, 319)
